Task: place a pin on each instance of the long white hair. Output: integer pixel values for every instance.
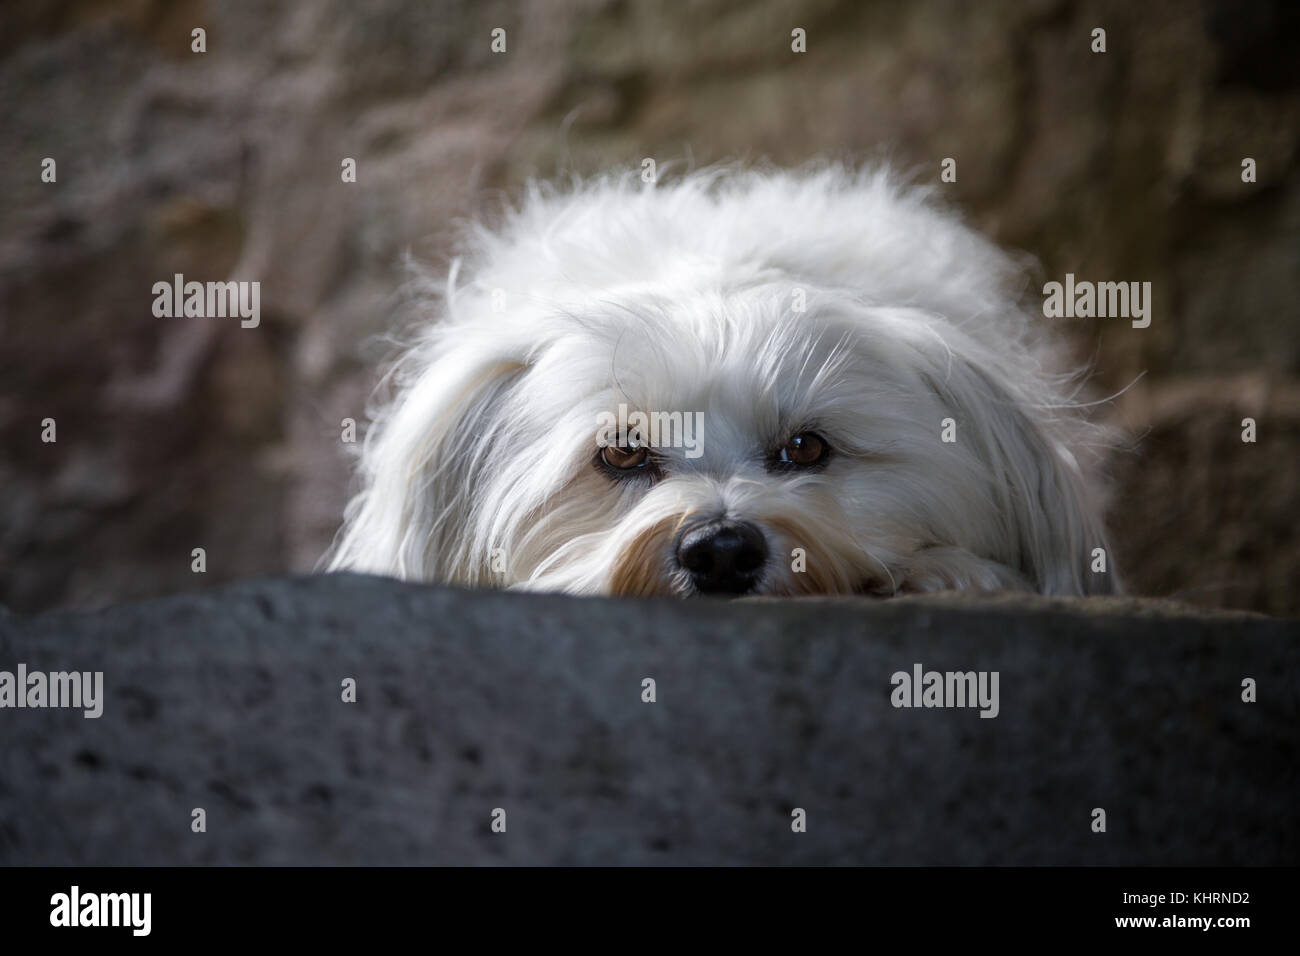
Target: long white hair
(831, 300)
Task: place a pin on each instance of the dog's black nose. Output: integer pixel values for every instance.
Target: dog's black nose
(723, 557)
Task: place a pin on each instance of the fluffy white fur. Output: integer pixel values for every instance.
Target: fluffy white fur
(479, 468)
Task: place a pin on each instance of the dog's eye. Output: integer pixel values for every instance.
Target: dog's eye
(802, 451)
(625, 457)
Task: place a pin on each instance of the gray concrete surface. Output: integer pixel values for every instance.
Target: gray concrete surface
(230, 700)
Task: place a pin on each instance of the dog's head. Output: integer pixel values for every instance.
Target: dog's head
(754, 418)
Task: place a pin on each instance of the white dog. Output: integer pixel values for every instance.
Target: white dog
(741, 382)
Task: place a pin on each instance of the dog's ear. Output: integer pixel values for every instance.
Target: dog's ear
(420, 464)
(1055, 510)
(1064, 546)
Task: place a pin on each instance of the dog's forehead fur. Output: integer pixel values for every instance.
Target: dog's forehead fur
(832, 228)
(733, 290)
(753, 370)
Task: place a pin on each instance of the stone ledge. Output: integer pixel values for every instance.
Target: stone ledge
(230, 700)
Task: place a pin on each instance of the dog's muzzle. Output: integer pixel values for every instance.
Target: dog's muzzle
(723, 557)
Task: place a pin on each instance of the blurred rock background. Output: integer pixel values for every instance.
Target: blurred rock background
(175, 434)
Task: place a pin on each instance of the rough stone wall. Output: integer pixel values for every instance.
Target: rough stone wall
(231, 701)
(176, 434)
